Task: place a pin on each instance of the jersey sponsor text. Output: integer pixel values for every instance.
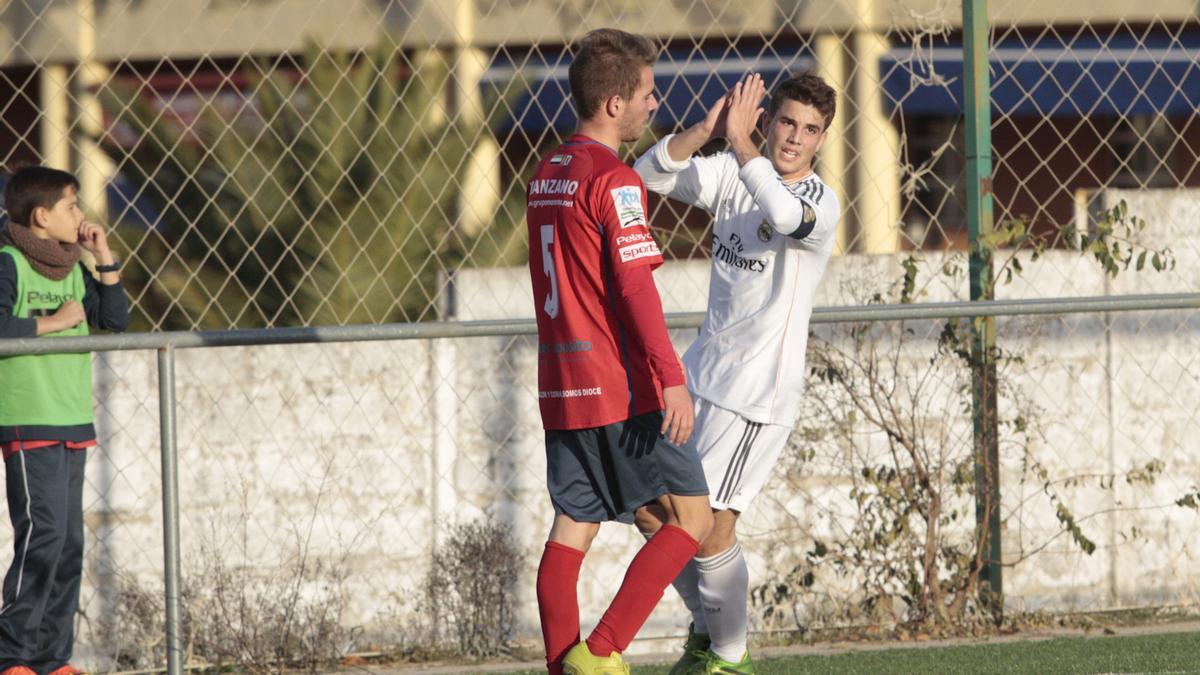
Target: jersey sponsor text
(635, 251)
(570, 393)
(553, 186)
(564, 203)
(729, 257)
(54, 298)
(565, 347)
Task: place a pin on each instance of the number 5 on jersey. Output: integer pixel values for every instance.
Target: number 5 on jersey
(551, 305)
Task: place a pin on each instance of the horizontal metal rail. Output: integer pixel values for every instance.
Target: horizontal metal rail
(500, 328)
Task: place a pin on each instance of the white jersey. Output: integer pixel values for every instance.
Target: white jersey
(749, 355)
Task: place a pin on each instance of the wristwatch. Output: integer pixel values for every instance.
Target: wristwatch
(116, 265)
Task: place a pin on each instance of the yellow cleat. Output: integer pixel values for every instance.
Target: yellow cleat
(581, 661)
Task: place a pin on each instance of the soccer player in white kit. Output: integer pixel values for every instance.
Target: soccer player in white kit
(774, 227)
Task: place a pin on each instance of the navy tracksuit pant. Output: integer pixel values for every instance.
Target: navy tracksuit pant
(41, 589)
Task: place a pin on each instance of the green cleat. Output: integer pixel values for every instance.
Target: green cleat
(695, 653)
(718, 666)
(581, 661)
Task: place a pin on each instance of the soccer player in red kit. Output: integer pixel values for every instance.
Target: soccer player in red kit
(611, 389)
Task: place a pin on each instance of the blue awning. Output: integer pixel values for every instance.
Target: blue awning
(1055, 76)
(686, 82)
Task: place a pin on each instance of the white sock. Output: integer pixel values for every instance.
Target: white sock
(688, 586)
(724, 584)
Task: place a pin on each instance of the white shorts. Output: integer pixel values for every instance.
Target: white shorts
(738, 455)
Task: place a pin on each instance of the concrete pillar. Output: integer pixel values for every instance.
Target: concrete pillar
(93, 168)
(877, 143)
(430, 65)
(874, 202)
(54, 127)
(469, 64)
(831, 161)
(479, 197)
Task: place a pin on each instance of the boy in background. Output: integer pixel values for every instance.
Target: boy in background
(46, 409)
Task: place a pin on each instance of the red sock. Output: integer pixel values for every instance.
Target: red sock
(558, 602)
(652, 569)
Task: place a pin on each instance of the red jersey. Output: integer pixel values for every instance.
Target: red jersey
(603, 350)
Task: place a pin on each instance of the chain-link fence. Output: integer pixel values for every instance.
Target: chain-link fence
(325, 489)
(289, 163)
(341, 165)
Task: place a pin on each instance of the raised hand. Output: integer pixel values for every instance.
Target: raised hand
(744, 109)
(93, 237)
(714, 121)
(684, 144)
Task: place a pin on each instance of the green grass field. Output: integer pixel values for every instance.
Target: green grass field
(1162, 653)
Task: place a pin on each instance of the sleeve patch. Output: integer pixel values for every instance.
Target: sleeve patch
(627, 201)
(808, 222)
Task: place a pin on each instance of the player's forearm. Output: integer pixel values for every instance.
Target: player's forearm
(743, 148)
(688, 142)
(49, 324)
(787, 213)
(692, 181)
(17, 327)
(658, 170)
(105, 257)
(641, 313)
(106, 305)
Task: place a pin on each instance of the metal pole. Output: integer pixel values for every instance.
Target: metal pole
(508, 327)
(978, 114)
(170, 492)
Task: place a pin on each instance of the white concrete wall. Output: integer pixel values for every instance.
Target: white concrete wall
(362, 454)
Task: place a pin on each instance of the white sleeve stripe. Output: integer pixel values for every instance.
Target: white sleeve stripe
(811, 189)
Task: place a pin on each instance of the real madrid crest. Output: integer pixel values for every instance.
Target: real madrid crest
(764, 232)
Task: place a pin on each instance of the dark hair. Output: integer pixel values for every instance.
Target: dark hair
(31, 187)
(608, 63)
(809, 89)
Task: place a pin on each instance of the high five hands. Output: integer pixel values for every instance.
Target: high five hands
(732, 117)
(743, 108)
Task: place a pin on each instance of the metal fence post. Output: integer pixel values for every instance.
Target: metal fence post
(170, 496)
(978, 114)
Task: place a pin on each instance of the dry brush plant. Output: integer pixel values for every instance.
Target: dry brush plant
(890, 405)
(258, 619)
(469, 601)
(237, 609)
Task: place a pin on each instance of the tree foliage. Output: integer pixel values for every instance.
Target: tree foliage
(328, 195)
